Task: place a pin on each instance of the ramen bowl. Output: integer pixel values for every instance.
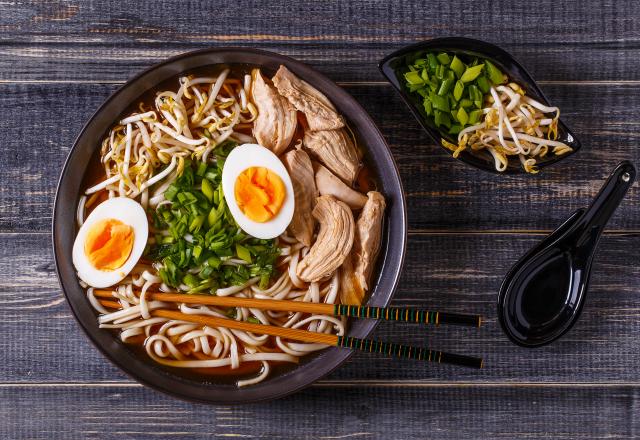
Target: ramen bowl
(207, 388)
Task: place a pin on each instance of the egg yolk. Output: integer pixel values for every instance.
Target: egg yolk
(259, 193)
(108, 244)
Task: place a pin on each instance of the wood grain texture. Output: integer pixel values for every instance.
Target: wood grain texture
(66, 40)
(442, 271)
(373, 412)
(60, 59)
(104, 62)
(441, 193)
(585, 22)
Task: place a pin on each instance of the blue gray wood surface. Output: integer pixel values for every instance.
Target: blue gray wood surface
(60, 59)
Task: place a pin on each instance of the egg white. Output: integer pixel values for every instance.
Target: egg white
(130, 213)
(254, 155)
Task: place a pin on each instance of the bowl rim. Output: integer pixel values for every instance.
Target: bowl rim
(486, 50)
(390, 260)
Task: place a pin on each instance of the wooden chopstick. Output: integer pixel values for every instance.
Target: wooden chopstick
(354, 311)
(110, 304)
(367, 345)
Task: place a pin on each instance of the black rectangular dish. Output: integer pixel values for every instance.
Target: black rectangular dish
(392, 63)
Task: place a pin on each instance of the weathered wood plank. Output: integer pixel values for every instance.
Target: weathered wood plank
(502, 412)
(586, 41)
(441, 193)
(289, 21)
(443, 271)
(341, 61)
(55, 385)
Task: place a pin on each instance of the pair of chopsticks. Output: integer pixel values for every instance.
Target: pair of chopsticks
(367, 345)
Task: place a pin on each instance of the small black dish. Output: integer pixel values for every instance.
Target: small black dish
(505, 62)
(543, 293)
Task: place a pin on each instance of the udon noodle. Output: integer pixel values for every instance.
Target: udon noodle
(140, 158)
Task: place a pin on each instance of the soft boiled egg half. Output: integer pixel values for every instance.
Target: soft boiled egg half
(110, 242)
(258, 191)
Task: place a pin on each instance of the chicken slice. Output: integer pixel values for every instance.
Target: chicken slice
(356, 273)
(335, 238)
(276, 122)
(319, 111)
(351, 291)
(300, 170)
(328, 184)
(336, 151)
(369, 236)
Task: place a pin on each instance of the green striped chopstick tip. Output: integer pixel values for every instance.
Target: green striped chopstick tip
(407, 315)
(408, 352)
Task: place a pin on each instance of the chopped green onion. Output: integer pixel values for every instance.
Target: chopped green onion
(171, 192)
(440, 103)
(213, 216)
(474, 116)
(433, 61)
(196, 234)
(476, 95)
(243, 253)
(214, 262)
(495, 75)
(463, 117)
(202, 168)
(457, 66)
(413, 78)
(196, 223)
(466, 103)
(442, 118)
(443, 58)
(191, 280)
(483, 84)
(455, 129)
(428, 108)
(445, 85)
(450, 87)
(458, 90)
(471, 73)
(207, 189)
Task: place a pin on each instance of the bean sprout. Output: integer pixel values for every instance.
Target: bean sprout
(514, 124)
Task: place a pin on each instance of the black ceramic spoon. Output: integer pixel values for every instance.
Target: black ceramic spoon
(542, 295)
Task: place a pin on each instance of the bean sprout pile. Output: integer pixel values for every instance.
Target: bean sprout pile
(514, 125)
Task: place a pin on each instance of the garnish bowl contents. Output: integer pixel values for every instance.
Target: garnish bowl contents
(479, 104)
(230, 173)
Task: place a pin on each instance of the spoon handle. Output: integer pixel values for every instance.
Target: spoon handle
(604, 205)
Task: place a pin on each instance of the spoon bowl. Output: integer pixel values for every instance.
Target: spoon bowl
(542, 295)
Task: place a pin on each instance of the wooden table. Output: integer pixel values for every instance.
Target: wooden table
(60, 59)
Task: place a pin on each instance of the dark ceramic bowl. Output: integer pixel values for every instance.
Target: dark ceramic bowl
(206, 389)
(476, 48)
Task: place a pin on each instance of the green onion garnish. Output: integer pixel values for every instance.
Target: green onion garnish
(197, 234)
(451, 88)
